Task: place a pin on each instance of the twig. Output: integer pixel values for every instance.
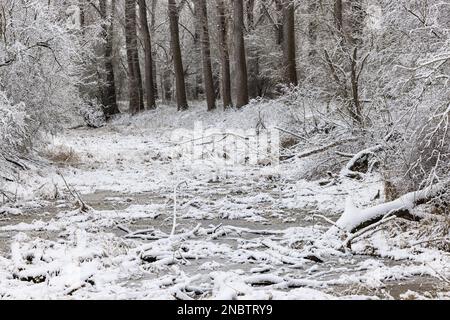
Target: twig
(293, 134)
(76, 195)
(174, 225)
(327, 220)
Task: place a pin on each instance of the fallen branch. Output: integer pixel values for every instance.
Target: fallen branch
(323, 148)
(355, 219)
(359, 159)
(348, 242)
(292, 134)
(76, 195)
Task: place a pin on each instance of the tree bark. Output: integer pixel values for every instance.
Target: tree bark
(206, 56)
(338, 14)
(197, 89)
(134, 72)
(224, 54)
(289, 46)
(149, 84)
(241, 77)
(177, 58)
(109, 98)
(152, 34)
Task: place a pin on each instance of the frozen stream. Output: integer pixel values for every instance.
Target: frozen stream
(240, 233)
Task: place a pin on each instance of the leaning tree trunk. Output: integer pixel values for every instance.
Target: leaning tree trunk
(134, 76)
(241, 77)
(206, 56)
(149, 84)
(177, 58)
(109, 99)
(289, 50)
(224, 54)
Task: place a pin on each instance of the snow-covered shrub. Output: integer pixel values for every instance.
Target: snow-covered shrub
(44, 60)
(93, 114)
(15, 133)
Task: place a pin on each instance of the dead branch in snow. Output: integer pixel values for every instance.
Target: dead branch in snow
(15, 162)
(355, 219)
(290, 252)
(348, 242)
(76, 195)
(145, 234)
(293, 134)
(326, 220)
(329, 146)
(358, 162)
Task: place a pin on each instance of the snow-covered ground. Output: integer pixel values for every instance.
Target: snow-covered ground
(242, 231)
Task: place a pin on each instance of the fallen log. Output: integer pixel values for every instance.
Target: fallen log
(354, 219)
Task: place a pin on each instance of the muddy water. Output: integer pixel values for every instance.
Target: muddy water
(274, 219)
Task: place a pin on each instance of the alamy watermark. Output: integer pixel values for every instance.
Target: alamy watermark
(224, 148)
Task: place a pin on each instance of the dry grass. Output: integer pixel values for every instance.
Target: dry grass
(62, 154)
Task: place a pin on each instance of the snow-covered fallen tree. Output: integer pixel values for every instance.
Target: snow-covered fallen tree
(354, 219)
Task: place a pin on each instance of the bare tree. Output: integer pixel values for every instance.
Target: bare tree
(109, 97)
(241, 77)
(152, 34)
(222, 25)
(289, 46)
(177, 58)
(338, 14)
(134, 72)
(206, 56)
(149, 84)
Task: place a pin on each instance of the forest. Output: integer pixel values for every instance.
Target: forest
(225, 149)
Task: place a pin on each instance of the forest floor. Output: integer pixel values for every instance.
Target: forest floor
(240, 234)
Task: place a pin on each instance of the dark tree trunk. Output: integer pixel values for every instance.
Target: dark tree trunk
(241, 80)
(109, 96)
(82, 6)
(279, 9)
(197, 90)
(149, 84)
(152, 33)
(338, 14)
(177, 58)
(224, 54)
(134, 76)
(206, 56)
(289, 50)
(253, 54)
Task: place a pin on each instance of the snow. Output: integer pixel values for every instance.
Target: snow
(244, 231)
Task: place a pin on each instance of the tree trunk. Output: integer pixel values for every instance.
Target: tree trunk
(177, 58)
(197, 90)
(206, 56)
(338, 14)
(109, 98)
(149, 84)
(134, 75)
(279, 22)
(224, 54)
(152, 34)
(241, 80)
(82, 6)
(253, 54)
(289, 50)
